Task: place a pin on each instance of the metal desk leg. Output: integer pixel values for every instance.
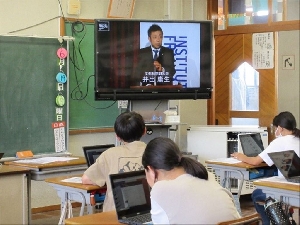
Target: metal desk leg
(63, 214)
(225, 176)
(67, 207)
(90, 209)
(63, 207)
(228, 175)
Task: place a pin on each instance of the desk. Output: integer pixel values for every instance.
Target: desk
(44, 171)
(228, 170)
(68, 191)
(15, 195)
(97, 218)
(287, 192)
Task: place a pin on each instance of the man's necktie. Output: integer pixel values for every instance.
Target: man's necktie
(155, 54)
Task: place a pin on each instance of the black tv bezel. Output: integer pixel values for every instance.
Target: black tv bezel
(173, 93)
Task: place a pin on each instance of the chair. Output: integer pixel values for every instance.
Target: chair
(253, 219)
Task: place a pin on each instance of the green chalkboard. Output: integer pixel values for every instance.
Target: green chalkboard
(28, 89)
(85, 112)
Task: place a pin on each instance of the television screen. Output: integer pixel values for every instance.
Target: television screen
(137, 59)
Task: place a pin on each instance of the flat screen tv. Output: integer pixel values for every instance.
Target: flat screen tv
(125, 66)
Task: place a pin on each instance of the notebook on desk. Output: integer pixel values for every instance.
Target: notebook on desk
(131, 195)
(91, 153)
(251, 144)
(288, 163)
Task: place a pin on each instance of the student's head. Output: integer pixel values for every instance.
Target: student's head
(286, 120)
(155, 35)
(163, 154)
(129, 126)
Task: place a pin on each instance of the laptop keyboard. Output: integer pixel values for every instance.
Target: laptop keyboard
(139, 219)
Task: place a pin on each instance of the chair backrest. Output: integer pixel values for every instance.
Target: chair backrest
(252, 219)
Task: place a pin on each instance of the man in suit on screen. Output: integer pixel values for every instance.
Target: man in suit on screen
(155, 64)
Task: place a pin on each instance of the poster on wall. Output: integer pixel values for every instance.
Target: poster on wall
(120, 8)
(263, 50)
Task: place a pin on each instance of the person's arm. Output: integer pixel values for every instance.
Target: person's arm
(144, 64)
(250, 160)
(86, 180)
(94, 174)
(158, 215)
(167, 61)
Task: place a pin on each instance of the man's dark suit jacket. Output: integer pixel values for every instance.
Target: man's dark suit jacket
(145, 64)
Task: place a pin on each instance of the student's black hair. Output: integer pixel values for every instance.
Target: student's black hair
(287, 120)
(129, 126)
(153, 28)
(163, 153)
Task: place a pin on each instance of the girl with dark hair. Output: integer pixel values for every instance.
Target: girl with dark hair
(287, 138)
(183, 192)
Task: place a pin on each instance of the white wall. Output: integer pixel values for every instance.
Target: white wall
(288, 80)
(39, 17)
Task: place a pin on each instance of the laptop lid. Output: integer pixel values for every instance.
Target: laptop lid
(287, 162)
(91, 153)
(252, 144)
(131, 194)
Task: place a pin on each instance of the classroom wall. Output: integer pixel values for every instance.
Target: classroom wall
(42, 18)
(289, 80)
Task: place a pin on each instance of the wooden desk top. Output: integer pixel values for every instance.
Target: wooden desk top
(239, 165)
(97, 218)
(286, 186)
(5, 169)
(87, 187)
(73, 162)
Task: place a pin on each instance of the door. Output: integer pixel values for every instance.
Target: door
(230, 52)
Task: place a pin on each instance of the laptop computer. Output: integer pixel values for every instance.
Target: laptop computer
(252, 144)
(288, 163)
(131, 194)
(1, 154)
(91, 153)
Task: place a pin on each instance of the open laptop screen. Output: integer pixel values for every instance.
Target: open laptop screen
(131, 193)
(287, 162)
(252, 144)
(91, 153)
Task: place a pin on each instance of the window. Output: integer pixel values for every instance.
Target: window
(245, 89)
(245, 121)
(245, 12)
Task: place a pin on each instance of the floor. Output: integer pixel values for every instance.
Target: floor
(52, 217)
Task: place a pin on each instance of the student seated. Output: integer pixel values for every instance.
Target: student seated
(287, 138)
(183, 192)
(129, 128)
